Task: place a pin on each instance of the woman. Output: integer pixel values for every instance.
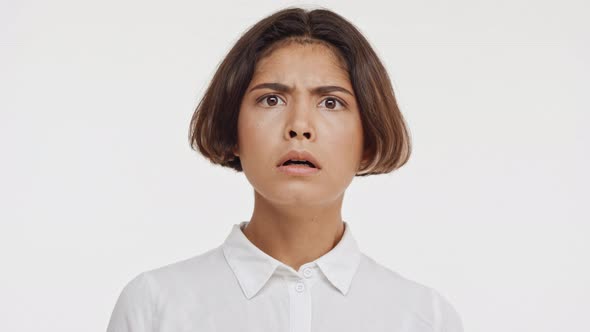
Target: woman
(301, 105)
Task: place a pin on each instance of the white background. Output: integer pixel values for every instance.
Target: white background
(98, 183)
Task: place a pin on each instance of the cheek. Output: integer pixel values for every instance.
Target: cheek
(347, 140)
(247, 127)
(254, 135)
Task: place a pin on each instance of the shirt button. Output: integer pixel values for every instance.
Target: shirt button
(307, 272)
(299, 287)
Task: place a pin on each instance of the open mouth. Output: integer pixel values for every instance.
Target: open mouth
(299, 162)
(302, 163)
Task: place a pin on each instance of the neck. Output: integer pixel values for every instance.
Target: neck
(295, 235)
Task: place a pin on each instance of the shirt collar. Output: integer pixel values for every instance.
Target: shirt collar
(253, 267)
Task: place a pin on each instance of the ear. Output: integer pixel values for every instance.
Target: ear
(235, 151)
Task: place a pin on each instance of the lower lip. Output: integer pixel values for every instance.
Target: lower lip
(298, 170)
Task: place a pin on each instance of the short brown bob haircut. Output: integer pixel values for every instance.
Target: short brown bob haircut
(213, 127)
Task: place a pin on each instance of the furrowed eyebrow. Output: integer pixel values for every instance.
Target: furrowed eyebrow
(284, 88)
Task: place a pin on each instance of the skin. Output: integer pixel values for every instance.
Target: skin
(298, 219)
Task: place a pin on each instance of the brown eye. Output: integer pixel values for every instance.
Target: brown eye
(271, 100)
(331, 103)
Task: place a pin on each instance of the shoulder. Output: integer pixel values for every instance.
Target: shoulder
(196, 272)
(141, 298)
(190, 267)
(390, 281)
(400, 293)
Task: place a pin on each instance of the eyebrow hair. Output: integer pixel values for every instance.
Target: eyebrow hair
(284, 88)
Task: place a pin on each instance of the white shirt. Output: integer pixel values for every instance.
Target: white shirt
(237, 287)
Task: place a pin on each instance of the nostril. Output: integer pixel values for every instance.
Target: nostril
(292, 134)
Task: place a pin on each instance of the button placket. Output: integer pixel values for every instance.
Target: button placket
(300, 286)
(300, 305)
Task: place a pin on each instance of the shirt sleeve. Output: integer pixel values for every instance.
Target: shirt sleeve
(133, 311)
(446, 317)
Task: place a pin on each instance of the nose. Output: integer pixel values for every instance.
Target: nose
(299, 125)
(293, 133)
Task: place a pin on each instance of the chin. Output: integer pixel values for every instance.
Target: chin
(290, 195)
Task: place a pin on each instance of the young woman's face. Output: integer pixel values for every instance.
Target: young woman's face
(326, 124)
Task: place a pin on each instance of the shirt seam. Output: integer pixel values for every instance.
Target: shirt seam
(153, 311)
(436, 323)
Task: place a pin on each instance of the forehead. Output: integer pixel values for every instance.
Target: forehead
(312, 61)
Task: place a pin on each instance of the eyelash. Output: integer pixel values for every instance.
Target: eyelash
(342, 103)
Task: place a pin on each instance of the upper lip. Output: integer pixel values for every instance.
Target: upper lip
(299, 155)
